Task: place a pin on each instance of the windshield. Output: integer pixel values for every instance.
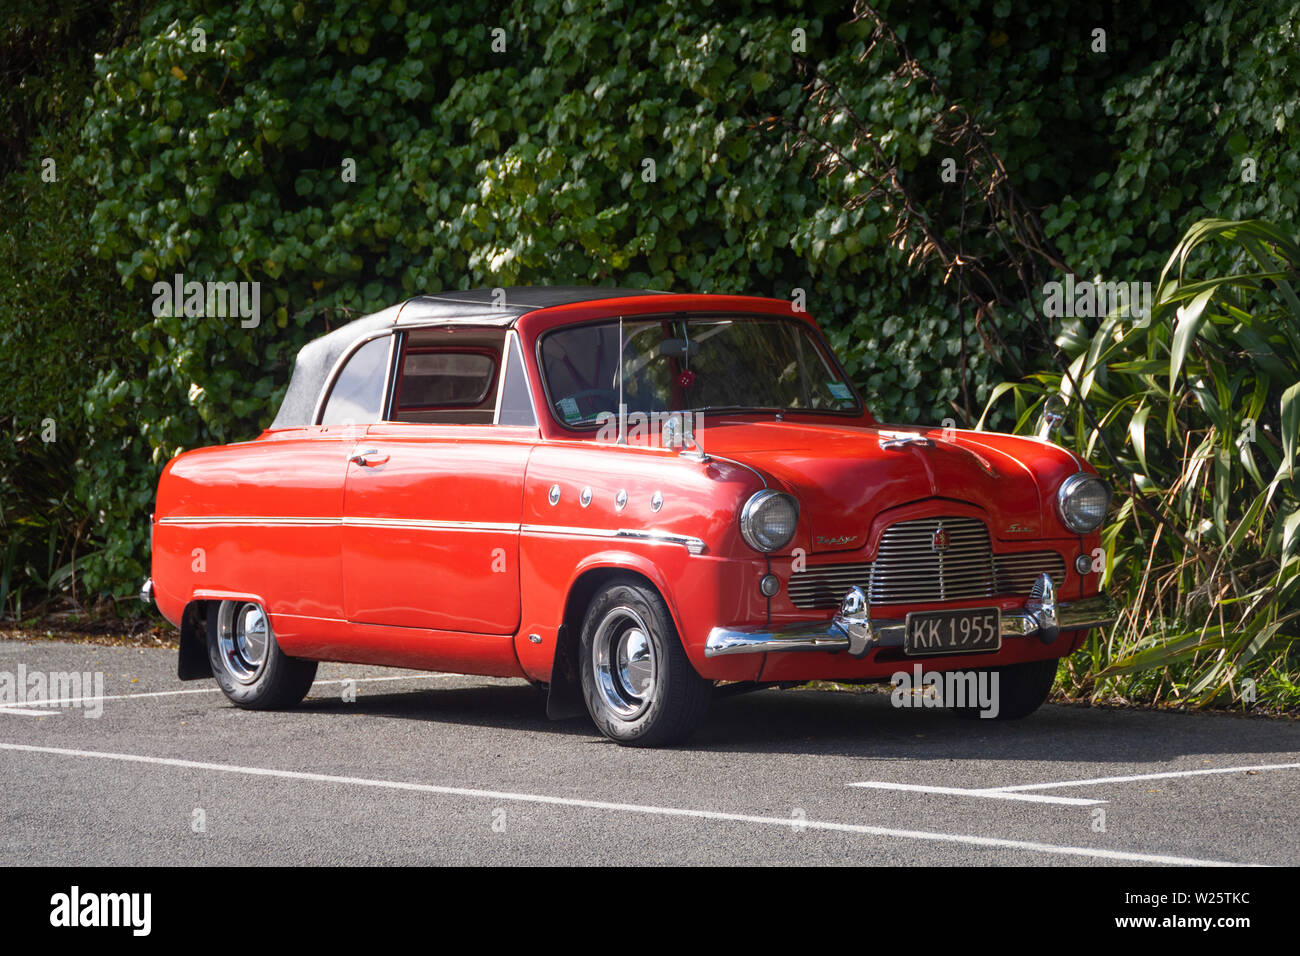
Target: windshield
(690, 364)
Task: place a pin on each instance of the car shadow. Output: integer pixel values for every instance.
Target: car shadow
(867, 725)
(862, 725)
(506, 706)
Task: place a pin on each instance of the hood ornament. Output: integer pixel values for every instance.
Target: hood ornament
(902, 441)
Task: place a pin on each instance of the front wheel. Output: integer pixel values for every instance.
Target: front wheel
(639, 686)
(1020, 690)
(248, 663)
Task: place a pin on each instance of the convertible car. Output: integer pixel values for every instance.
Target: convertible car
(626, 497)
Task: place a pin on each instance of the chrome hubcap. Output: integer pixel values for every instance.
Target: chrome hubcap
(624, 665)
(243, 634)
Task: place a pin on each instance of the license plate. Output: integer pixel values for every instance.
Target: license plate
(952, 632)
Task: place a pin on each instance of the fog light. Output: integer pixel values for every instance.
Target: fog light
(769, 584)
(1083, 564)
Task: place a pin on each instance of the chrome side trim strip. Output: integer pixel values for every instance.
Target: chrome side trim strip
(693, 545)
(352, 522)
(654, 536)
(568, 531)
(430, 525)
(236, 520)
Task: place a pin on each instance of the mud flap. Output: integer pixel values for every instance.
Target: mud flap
(193, 662)
(564, 699)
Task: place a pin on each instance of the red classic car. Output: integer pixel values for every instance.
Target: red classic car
(625, 497)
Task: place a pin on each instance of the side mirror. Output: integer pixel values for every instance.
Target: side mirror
(1050, 418)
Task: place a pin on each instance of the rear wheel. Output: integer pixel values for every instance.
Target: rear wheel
(639, 686)
(247, 662)
(1021, 688)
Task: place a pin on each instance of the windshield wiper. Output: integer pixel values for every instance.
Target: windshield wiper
(771, 409)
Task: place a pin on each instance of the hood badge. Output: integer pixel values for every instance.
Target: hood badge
(1017, 528)
(837, 539)
(939, 540)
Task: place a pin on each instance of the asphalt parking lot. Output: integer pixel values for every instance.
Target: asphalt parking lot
(445, 769)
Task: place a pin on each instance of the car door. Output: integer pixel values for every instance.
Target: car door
(434, 493)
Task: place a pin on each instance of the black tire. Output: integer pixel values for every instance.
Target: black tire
(639, 686)
(1022, 689)
(254, 674)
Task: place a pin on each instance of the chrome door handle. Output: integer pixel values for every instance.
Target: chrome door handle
(363, 458)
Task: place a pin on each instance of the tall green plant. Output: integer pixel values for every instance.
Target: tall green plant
(1193, 413)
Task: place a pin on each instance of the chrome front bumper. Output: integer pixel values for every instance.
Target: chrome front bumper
(853, 630)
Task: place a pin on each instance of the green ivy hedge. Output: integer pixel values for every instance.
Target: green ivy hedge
(482, 166)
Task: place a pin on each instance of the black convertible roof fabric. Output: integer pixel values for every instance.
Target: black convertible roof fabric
(499, 307)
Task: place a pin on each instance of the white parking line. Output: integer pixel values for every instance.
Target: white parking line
(1145, 776)
(27, 713)
(796, 823)
(986, 792)
(1018, 791)
(12, 708)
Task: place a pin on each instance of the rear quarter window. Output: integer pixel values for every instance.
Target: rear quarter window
(357, 395)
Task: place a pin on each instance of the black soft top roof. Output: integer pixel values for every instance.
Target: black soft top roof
(499, 307)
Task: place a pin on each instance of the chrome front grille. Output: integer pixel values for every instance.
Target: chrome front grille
(1016, 573)
(824, 585)
(908, 570)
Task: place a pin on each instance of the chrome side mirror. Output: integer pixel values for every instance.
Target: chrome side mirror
(1049, 420)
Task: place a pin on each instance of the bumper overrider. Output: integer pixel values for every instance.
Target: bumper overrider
(853, 630)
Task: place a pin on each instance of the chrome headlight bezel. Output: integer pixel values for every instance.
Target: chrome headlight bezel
(751, 516)
(1069, 492)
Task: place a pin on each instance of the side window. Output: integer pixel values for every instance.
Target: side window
(448, 379)
(358, 392)
(516, 400)
(444, 379)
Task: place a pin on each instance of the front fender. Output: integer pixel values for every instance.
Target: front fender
(701, 591)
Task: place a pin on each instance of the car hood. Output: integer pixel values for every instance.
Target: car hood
(845, 475)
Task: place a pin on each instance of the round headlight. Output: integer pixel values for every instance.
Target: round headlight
(768, 520)
(1082, 502)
